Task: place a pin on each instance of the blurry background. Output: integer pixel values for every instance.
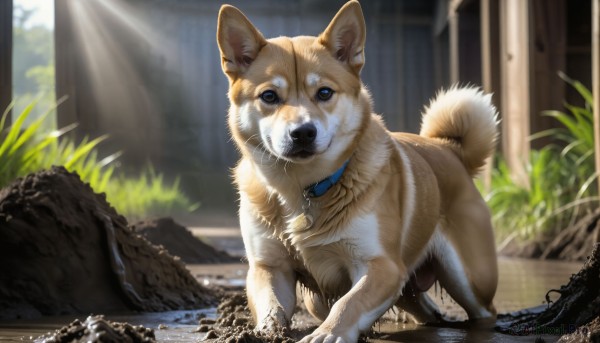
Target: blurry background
(147, 72)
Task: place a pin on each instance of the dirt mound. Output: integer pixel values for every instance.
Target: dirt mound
(95, 329)
(578, 305)
(65, 250)
(589, 333)
(179, 241)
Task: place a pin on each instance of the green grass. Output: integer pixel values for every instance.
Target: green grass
(27, 149)
(528, 212)
(562, 177)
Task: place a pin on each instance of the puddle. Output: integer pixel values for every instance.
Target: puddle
(523, 283)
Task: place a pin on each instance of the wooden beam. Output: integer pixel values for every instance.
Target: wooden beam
(516, 87)
(490, 66)
(65, 63)
(465, 47)
(548, 57)
(6, 33)
(486, 44)
(596, 80)
(490, 50)
(454, 48)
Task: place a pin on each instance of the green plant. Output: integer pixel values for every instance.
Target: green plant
(562, 177)
(29, 149)
(145, 194)
(525, 212)
(577, 134)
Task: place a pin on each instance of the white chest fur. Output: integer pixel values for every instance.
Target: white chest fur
(340, 260)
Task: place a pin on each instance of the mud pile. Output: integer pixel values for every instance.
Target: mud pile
(577, 307)
(234, 324)
(65, 250)
(588, 333)
(179, 241)
(95, 329)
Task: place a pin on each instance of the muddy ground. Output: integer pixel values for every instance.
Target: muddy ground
(98, 329)
(578, 305)
(65, 251)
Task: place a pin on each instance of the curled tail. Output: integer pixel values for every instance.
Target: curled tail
(466, 121)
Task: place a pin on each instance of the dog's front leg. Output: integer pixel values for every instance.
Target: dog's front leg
(373, 293)
(271, 294)
(271, 281)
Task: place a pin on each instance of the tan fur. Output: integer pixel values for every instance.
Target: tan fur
(401, 200)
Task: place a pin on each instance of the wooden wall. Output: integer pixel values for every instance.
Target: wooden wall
(6, 22)
(524, 45)
(167, 101)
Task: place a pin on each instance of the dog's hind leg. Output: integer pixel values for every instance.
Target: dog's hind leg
(467, 266)
(420, 306)
(315, 305)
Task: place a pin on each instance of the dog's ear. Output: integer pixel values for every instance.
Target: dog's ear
(345, 36)
(239, 41)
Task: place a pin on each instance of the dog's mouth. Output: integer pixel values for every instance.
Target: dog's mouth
(301, 152)
(304, 152)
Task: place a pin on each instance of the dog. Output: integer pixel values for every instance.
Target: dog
(363, 218)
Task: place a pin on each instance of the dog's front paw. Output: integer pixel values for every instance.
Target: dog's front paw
(325, 337)
(275, 321)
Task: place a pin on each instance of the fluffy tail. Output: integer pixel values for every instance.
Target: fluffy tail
(466, 120)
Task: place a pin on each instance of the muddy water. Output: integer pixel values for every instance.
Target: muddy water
(523, 283)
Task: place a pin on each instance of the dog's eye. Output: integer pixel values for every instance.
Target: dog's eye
(269, 97)
(324, 93)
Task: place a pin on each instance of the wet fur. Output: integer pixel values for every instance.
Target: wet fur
(402, 199)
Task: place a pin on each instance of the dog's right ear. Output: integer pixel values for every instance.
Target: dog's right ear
(239, 41)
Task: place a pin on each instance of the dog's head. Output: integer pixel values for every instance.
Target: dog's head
(295, 99)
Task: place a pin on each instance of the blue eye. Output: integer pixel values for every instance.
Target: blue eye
(324, 93)
(269, 97)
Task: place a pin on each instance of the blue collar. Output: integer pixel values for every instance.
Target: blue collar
(318, 189)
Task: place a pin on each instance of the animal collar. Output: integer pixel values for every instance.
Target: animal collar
(318, 189)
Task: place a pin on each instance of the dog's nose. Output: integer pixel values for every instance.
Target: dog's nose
(304, 134)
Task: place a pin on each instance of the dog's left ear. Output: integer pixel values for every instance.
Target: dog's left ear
(345, 36)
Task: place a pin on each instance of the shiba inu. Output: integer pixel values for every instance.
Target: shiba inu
(362, 217)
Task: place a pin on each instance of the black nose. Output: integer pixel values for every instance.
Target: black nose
(304, 134)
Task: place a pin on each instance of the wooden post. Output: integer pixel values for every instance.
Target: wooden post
(6, 32)
(547, 57)
(65, 63)
(596, 80)
(516, 87)
(490, 66)
(490, 49)
(454, 49)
